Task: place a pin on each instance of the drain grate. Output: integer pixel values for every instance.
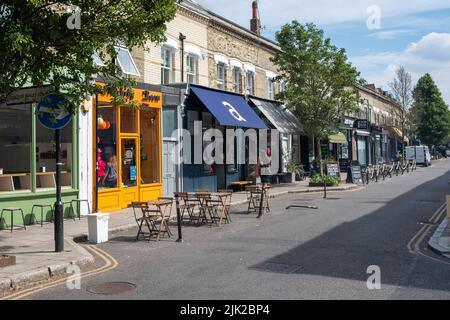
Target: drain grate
(110, 288)
(277, 267)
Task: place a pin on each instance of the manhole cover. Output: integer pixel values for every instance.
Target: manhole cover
(111, 288)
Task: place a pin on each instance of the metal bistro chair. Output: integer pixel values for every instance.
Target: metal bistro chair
(42, 207)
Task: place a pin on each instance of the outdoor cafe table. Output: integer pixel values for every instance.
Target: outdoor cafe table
(153, 211)
(215, 203)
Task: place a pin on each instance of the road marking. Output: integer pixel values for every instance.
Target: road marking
(414, 244)
(110, 264)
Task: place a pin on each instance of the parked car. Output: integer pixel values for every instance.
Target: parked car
(420, 153)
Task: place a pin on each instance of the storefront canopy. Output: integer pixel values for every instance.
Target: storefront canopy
(398, 133)
(338, 138)
(228, 108)
(283, 120)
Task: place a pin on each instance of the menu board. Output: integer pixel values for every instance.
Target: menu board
(354, 173)
(333, 170)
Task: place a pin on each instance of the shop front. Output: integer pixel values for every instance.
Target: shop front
(290, 128)
(362, 138)
(218, 110)
(346, 153)
(127, 151)
(377, 145)
(27, 161)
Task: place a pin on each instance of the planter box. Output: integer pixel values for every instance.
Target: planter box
(6, 261)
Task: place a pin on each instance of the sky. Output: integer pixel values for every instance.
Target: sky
(378, 35)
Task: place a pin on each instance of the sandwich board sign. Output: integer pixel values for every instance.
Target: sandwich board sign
(52, 112)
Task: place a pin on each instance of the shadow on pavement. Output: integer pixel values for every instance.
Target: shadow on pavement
(347, 250)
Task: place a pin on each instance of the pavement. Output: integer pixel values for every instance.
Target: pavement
(440, 241)
(36, 260)
(324, 253)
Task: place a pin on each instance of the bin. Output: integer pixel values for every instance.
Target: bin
(98, 227)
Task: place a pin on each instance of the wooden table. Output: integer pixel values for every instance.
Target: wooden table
(153, 212)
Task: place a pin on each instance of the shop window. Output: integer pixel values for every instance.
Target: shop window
(192, 68)
(250, 82)
(167, 57)
(169, 121)
(128, 119)
(149, 121)
(237, 80)
(15, 147)
(221, 76)
(46, 156)
(270, 88)
(107, 168)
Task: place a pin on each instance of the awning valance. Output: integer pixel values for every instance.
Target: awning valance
(338, 138)
(228, 108)
(283, 120)
(398, 133)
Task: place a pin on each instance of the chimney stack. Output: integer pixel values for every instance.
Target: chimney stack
(255, 23)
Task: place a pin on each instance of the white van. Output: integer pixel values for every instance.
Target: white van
(420, 153)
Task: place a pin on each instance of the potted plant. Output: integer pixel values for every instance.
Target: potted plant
(292, 168)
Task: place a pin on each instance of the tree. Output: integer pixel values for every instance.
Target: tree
(320, 82)
(432, 114)
(52, 42)
(401, 89)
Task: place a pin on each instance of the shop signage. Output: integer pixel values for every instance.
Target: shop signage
(354, 174)
(348, 122)
(333, 170)
(232, 110)
(362, 124)
(150, 96)
(28, 95)
(133, 173)
(52, 112)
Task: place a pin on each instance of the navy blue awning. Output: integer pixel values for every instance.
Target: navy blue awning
(228, 108)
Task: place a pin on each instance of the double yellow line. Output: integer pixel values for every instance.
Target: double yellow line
(414, 244)
(109, 264)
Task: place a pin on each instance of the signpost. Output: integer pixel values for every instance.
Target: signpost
(53, 114)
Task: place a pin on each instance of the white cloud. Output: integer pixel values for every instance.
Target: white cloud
(321, 12)
(430, 54)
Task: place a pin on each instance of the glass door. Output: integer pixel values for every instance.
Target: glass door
(129, 165)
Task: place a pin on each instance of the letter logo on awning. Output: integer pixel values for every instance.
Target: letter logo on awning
(233, 111)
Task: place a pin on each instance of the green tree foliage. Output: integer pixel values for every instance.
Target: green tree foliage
(432, 116)
(320, 82)
(38, 47)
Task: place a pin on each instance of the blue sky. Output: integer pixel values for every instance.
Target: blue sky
(413, 33)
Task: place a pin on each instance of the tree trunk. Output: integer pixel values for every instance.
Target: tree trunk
(319, 155)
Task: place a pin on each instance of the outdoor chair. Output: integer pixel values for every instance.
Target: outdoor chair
(11, 212)
(138, 211)
(42, 207)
